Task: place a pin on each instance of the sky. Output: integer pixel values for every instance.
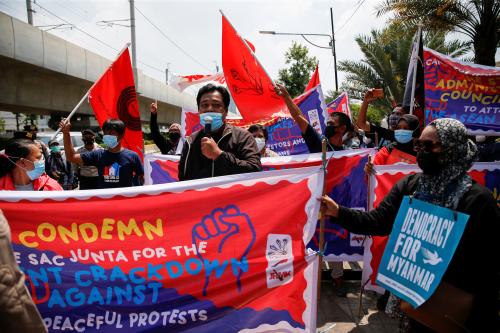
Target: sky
(188, 38)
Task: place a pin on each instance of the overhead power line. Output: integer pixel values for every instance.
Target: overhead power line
(77, 28)
(171, 41)
(360, 3)
(93, 37)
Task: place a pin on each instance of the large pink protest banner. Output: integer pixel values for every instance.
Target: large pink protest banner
(345, 182)
(190, 256)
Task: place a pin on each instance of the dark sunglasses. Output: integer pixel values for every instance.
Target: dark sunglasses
(427, 145)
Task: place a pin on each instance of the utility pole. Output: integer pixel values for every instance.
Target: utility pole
(166, 73)
(334, 53)
(30, 12)
(132, 39)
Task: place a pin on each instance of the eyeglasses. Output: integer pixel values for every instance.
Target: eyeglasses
(427, 145)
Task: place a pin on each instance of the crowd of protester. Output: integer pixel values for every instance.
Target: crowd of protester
(443, 151)
(225, 150)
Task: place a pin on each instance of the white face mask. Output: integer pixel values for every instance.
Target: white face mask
(480, 138)
(261, 143)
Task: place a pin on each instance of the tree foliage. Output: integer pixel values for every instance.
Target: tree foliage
(479, 20)
(301, 66)
(374, 114)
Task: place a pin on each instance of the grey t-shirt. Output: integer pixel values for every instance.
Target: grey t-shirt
(87, 170)
(28, 187)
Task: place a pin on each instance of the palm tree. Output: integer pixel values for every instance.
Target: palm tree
(386, 59)
(477, 19)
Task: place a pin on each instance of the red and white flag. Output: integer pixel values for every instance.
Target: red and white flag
(182, 82)
(114, 96)
(190, 122)
(252, 89)
(340, 104)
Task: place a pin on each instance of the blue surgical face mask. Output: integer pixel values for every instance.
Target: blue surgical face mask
(111, 141)
(216, 120)
(403, 136)
(38, 170)
(55, 149)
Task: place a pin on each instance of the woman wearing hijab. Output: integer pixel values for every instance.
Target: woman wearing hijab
(445, 154)
(22, 168)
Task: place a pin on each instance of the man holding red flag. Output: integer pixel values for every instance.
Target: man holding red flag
(114, 96)
(116, 166)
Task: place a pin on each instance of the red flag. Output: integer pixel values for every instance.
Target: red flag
(190, 122)
(251, 88)
(340, 104)
(250, 45)
(114, 96)
(314, 80)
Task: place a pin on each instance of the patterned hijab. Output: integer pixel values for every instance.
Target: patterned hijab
(448, 186)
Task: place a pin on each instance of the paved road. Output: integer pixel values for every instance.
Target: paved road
(341, 314)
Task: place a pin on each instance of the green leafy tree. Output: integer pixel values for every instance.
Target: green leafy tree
(374, 114)
(299, 71)
(386, 58)
(479, 20)
(30, 119)
(331, 95)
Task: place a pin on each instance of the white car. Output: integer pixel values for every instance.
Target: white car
(76, 138)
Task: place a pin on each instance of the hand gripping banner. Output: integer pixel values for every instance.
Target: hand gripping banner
(211, 255)
(345, 183)
(382, 181)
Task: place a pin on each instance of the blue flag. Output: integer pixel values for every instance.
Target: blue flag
(285, 137)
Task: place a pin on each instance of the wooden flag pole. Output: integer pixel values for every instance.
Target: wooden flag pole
(322, 218)
(88, 92)
(73, 112)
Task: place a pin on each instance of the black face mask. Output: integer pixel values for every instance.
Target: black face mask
(88, 142)
(330, 131)
(174, 136)
(429, 162)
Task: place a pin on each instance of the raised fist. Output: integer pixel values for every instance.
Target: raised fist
(229, 235)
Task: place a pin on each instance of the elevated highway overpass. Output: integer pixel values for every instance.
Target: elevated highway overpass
(47, 75)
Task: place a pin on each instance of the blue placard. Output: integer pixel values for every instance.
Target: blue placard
(422, 242)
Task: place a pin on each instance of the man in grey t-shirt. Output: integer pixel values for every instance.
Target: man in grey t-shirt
(88, 175)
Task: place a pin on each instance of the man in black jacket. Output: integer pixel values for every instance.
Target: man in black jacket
(171, 146)
(220, 148)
